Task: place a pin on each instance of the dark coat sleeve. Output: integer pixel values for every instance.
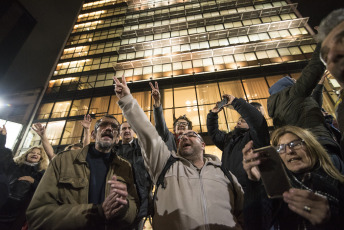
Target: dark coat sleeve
(161, 127)
(217, 136)
(318, 94)
(2, 141)
(310, 76)
(259, 131)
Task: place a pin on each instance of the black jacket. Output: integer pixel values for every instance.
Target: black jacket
(295, 106)
(263, 213)
(12, 213)
(232, 143)
(142, 179)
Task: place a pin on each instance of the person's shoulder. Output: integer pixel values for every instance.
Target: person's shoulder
(122, 161)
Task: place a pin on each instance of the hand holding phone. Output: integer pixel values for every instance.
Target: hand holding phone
(222, 103)
(272, 172)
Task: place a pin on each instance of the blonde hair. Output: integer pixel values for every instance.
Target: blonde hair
(315, 150)
(43, 161)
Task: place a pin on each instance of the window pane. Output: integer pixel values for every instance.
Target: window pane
(184, 96)
(61, 109)
(256, 88)
(208, 93)
(99, 105)
(54, 131)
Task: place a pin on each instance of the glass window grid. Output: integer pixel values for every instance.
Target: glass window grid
(102, 3)
(81, 82)
(132, 30)
(215, 63)
(197, 8)
(85, 65)
(199, 100)
(101, 14)
(95, 36)
(98, 24)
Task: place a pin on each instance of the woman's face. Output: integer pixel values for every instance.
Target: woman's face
(34, 156)
(296, 159)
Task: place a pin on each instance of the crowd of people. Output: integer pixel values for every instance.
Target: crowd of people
(109, 183)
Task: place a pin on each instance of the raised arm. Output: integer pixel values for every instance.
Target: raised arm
(317, 93)
(310, 75)
(160, 123)
(86, 123)
(3, 134)
(40, 130)
(154, 149)
(217, 136)
(256, 122)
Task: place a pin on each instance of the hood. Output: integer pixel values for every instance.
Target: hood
(281, 84)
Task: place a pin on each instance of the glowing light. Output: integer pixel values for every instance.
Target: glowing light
(188, 102)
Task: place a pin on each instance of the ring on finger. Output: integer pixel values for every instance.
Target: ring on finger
(307, 208)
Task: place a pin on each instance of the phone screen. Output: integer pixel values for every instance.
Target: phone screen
(272, 172)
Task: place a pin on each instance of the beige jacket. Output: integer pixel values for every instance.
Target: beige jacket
(192, 199)
(61, 199)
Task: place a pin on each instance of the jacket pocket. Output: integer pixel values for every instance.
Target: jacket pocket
(73, 182)
(73, 190)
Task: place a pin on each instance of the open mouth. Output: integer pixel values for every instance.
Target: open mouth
(108, 135)
(184, 145)
(294, 159)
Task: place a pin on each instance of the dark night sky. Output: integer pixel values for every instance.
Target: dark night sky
(38, 56)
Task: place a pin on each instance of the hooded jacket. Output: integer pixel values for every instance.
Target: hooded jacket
(294, 105)
(192, 198)
(232, 143)
(61, 199)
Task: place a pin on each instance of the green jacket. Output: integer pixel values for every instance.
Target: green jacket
(61, 199)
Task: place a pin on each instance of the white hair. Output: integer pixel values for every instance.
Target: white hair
(329, 22)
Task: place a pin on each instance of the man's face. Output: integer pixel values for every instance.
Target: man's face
(126, 133)
(190, 144)
(181, 126)
(241, 124)
(106, 134)
(332, 53)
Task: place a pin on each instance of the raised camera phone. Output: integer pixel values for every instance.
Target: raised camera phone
(222, 103)
(272, 172)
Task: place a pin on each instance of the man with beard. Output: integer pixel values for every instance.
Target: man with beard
(88, 188)
(180, 125)
(250, 126)
(129, 148)
(196, 193)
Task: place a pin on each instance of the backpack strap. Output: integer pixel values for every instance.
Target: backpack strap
(161, 177)
(230, 178)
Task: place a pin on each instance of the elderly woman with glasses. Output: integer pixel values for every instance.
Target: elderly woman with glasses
(23, 175)
(316, 199)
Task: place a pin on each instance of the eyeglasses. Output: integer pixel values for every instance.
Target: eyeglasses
(190, 134)
(105, 124)
(182, 123)
(293, 145)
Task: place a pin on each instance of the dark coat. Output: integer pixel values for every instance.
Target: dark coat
(263, 213)
(295, 106)
(20, 192)
(232, 143)
(142, 179)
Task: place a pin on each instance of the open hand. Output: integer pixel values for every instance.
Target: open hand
(312, 206)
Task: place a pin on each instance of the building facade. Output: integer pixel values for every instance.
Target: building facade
(196, 50)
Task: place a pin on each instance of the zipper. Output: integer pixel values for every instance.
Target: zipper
(206, 224)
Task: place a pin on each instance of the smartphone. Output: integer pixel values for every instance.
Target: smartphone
(273, 173)
(222, 103)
